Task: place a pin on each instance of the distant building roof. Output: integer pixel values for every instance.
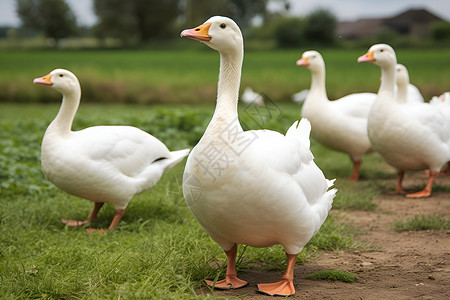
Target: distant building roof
(412, 21)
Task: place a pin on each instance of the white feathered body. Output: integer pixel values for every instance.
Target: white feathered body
(263, 189)
(340, 124)
(410, 136)
(105, 163)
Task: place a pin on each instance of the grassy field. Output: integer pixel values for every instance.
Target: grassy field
(158, 249)
(190, 76)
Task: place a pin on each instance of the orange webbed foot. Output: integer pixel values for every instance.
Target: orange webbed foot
(283, 288)
(74, 223)
(421, 194)
(230, 282)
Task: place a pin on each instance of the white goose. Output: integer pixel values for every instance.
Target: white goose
(258, 187)
(406, 92)
(251, 97)
(339, 124)
(415, 136)
(101, 163)
(300, 97)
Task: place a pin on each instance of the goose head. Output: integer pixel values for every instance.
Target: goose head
(61, 80)
(380, 54)
(312, 60)
(219, 33)
(402, 75)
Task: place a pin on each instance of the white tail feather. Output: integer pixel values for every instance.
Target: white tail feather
(301, 130)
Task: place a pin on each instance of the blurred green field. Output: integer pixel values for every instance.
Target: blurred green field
(191, 76)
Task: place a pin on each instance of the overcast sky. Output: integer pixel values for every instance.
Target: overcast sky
(345, 10)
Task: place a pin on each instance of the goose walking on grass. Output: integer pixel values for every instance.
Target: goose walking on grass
(257, 187)
(412, 136)
(340, 124)
(100, 163)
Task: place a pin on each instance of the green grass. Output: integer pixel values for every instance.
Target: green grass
(423, 222)
(191, 76)
(333, 275)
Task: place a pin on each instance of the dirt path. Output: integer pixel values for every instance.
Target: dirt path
(405, 265)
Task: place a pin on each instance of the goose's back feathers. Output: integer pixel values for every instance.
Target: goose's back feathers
(412, 136)
(355, 105)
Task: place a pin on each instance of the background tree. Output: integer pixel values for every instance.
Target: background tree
(440, 32)
(241, 11)
(289, 32)
(135, 20)
(53, 18)
(320, 27)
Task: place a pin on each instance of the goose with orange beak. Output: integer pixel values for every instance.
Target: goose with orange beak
(263, 188)
(100, 163)
(339, 124)
(413, 137)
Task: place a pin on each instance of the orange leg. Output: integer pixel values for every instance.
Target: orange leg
(398, 189)
(231, 281)
(117, 217)
(355, 173)
(285, 287)
(426, 192)
(92, 216)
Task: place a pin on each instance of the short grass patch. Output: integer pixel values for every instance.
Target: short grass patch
(423, 222)
(336, 275)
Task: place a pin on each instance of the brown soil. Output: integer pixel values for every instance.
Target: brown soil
(405, 265)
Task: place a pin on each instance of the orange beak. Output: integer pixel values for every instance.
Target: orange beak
(368, 57)
(44, 80)
(199, 33)
(303, 62)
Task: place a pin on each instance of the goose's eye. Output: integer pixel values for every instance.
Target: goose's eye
(381, 50)
(61, 75)
(223, 25)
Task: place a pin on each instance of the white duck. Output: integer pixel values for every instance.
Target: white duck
(300, 97)
(251, 97)
(257, 187)
(340, 124)
(101, 163)
(415, 136)
(406, 92)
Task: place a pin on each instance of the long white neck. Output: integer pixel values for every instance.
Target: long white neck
(402, 92)
(318, 90)
(62, 124)
(388, 80)
(227, 91)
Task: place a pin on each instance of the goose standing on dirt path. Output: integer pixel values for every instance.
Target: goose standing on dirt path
(257, 187)
(100, 163)
(409, 136)
(340, 124)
